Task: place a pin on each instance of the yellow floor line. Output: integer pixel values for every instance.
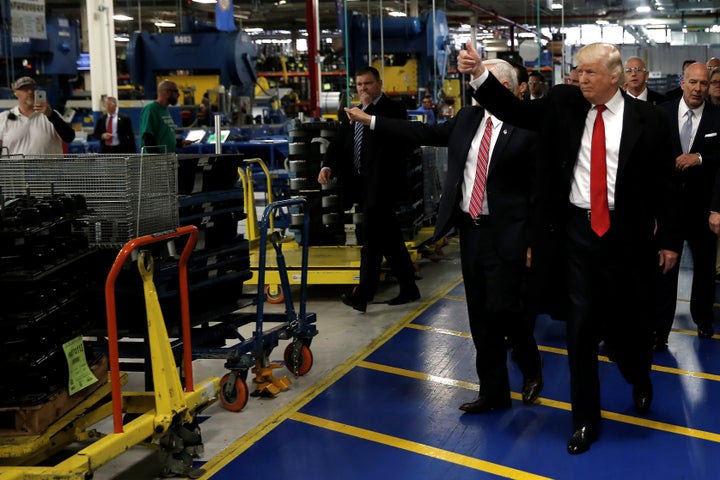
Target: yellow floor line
(562, 351)
(618, 417)
(243, 443)
(415, 447)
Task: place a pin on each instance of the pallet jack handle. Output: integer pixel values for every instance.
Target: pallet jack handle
(110, 306)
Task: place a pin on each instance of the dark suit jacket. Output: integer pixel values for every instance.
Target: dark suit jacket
(644, 190)
(656, 98)
(697, 183)
(125, 133)
(509, 182)
(383, 179)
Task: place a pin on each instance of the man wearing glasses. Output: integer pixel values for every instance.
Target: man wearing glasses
(157, 127)
(636, 76)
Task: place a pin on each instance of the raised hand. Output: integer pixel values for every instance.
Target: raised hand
(469, 61)
(356, 114)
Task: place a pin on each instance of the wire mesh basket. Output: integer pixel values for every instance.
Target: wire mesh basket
(127, 195)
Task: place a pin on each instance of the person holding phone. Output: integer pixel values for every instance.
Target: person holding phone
(32, 126)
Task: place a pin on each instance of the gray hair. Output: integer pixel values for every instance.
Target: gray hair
(503, 71)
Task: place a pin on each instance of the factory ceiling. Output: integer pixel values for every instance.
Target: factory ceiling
(273, 15)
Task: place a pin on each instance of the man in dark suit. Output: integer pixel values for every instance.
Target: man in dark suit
(373, 177)
(636, 76)
(617, 221)
(115, 130)
(493, 245)
(696, 164)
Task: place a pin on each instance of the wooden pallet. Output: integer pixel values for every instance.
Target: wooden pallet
(35, 419)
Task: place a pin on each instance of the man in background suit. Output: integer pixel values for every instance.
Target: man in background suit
(609, 257)
(122, 137)
(636, 76)
(373, 179)
(494, 245)
(696, 165)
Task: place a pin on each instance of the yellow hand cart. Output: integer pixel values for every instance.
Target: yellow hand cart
(163, 418)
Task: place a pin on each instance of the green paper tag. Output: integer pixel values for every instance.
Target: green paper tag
(79, 373)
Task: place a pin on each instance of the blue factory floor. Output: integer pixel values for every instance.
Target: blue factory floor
(381, 401)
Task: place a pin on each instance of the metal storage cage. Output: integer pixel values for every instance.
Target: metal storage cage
(128, 195)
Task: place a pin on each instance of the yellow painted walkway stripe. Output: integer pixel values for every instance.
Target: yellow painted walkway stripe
(233, 450)
(562, 351)
(415, 447)
(618, 417)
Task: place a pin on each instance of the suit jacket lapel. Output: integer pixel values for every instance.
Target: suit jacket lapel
(632, 126)
(500, 144)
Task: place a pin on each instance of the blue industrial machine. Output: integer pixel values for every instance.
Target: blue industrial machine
(201, 50)
(51, 61)
(425, 39)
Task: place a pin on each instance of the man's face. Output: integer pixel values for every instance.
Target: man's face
(715, 85)
(695, 85)
(110, 106)
(368, 88)
(536, 86)
(636, 74)
(597, 84)
(25, 95)
(172, 94)
(574, 77)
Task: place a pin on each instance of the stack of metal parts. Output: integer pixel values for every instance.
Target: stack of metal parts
(307, 148)
(411, 209)
(46, 270)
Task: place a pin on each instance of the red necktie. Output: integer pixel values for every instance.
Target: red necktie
(109, 130)
(478, 191)
(599, 211)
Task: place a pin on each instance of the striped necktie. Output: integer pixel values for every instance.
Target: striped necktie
(357, 153)
(478, 191)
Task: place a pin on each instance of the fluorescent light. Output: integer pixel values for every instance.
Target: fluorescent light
(122, 18)
(121, 38)
(643, 9)
(164, 24)
(205, 1)
(393, 13)
(602, 22)
(556, 6)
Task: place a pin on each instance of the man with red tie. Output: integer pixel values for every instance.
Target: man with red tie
(115, 130)
(617, 219)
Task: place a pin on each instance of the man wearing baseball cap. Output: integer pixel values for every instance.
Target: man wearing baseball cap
(32, 127)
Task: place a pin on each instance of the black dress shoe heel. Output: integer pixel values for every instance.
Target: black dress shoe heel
(354, 302)
(642, 397)
(581, 440)
(483, 404)
(532, 387)
(705, 330)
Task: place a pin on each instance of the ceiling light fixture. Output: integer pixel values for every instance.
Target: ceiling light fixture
(122, 18)
(163, 24)
(556, 6)
(205, 1)
(643, 9)
(394, 13)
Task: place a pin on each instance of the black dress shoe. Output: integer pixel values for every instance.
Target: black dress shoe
(532, 386)
(581, 440)
(483, 404)
(642, 397)
(706, 330)
(405, 297)
(354, 302)
(660, 344)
